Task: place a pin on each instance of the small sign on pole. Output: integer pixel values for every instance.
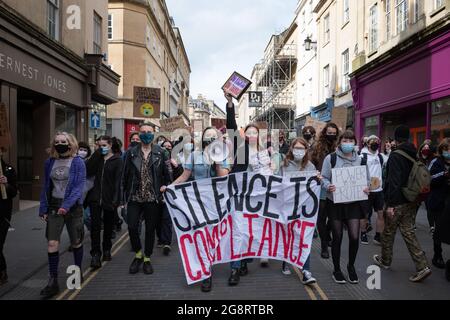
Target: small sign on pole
(95, 120)
(350, 183)
(255, 99)
(172, 123)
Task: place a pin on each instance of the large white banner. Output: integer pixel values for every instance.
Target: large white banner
(243, 216)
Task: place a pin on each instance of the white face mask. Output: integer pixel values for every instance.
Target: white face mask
(298, 154)
(83, 154)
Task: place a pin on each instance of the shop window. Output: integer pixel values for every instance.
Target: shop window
(440, 120)
(371, 126)
(65, 119)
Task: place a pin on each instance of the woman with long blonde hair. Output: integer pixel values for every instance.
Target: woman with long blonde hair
(61, 203)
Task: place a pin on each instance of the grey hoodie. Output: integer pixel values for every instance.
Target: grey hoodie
(341, 162)
(293, 167)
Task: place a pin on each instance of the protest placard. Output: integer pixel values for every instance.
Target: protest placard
(350, 183)
(316, 124)
(171, 124)
(147, 102)
(243, 215)
(236, 85)
(339, 117)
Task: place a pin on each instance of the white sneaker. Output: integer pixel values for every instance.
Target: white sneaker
(286, 271)
(308, 278)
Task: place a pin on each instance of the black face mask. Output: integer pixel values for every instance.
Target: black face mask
(133, 144)
(62, 148)
(307, 136)
(374, 146)
(331, 137)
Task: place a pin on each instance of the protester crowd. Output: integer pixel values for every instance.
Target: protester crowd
(96, 189)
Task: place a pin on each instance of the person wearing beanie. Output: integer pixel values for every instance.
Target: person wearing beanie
(400, 213)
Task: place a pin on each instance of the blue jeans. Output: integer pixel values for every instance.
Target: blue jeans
(237, 264)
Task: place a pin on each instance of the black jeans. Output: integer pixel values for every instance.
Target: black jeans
(437, 243)
(164, 228)
(96, 225)
(324, 224)
(151, 215)
(5, 218)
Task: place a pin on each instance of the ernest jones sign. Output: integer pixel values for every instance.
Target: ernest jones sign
(24, 70)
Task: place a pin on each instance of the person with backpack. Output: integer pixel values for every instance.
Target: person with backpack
(199, 166)
(349, 213)
(406, 181)
(374, 160)
(440, 194)
(326, 145)
(297, 160)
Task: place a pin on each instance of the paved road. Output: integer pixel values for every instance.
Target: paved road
(26, 254)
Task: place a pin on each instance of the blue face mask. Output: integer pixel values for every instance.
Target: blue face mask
(446, 155)
(147, 137)
(347, 147)
(104, 150)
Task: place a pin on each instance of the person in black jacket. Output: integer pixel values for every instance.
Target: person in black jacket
(9, 180)
(440, 193)
(146, 171)
(106, 164)
(400, 213)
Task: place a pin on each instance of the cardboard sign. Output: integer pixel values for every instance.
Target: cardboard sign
(339, 117)
(255, 99)
(5, 136)
(218, 123)
(350, 183)
(316, 124)
(236, 85)
(214, 223)
(171, 124)
(147, 102)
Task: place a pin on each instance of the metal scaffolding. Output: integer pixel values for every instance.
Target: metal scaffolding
(275, 77)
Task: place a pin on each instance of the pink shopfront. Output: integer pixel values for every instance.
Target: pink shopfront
(408, 85)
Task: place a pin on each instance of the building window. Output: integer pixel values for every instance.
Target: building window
(326, 81)
(53, 19)
(110, 26)
(388, 19)
(401, 11)
(416, 10)
(438, 4)
(326, 23)
(346, 11)
(345, 71)
(97, 34)
(303, 20)
(373, 32)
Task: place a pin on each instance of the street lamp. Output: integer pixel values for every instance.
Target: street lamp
(308, 43)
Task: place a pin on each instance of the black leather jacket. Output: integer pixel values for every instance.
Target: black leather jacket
(131, 174)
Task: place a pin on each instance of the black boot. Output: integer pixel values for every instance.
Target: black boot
(438, 262)
(3, 277)
(325, 254)
(207, 285)
(243, 271)
(135, 265)
(234, 277)
(107, 255)
(96, 262)
(51, 289)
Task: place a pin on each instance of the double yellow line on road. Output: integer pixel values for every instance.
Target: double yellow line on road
(90, 275)
(309, 288)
